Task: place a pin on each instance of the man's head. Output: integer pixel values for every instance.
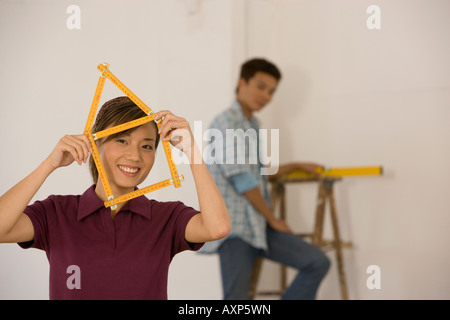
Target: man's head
(258, 81)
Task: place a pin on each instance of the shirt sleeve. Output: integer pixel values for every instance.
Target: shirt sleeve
(38, 213)
(183, 215)
(244, 182)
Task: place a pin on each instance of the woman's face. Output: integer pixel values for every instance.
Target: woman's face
(128, 159)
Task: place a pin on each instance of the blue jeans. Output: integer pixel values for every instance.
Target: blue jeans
(237, 258)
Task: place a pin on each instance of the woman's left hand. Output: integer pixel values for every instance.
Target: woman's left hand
(176, 130)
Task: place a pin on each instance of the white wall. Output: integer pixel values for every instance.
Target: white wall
(349, 96)
(355, 97)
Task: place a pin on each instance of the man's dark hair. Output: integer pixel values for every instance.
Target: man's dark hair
(250, 67)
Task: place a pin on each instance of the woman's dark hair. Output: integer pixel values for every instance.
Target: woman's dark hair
(114, 112)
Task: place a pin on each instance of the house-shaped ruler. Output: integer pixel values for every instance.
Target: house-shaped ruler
(150, 116)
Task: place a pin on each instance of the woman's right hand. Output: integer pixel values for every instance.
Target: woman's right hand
(70, 148)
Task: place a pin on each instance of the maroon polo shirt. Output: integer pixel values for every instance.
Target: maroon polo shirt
(94, 257)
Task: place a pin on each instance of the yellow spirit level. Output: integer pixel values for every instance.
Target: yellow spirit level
(336, 172)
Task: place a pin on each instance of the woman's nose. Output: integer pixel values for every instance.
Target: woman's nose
(133, 153)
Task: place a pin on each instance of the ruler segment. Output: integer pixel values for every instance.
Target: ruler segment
(124, 88)
(94, 106)
(123, 127)
(172, 167)
(140, 192)
(101, 170)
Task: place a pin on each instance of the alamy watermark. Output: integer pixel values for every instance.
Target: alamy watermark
(74, 280)
(373, 22)
(235, 147)
(73, 21)
(374, 280)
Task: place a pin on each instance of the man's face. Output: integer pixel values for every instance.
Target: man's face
(257, 92)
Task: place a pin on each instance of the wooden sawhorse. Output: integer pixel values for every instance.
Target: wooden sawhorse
(325, 195)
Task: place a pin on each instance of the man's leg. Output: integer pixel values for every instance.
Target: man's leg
(293, 251)
(236, 262)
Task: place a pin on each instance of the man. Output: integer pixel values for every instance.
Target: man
(256, 232)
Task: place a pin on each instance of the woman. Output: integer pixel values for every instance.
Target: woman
(96, 253)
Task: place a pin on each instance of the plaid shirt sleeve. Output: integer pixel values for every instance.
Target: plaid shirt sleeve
(244, 182)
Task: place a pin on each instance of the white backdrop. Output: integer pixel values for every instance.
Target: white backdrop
(350, 96)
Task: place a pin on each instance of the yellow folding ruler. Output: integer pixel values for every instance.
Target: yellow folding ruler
(111, 200)
(336, 172)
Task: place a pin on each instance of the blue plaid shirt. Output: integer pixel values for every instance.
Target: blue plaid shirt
(236, 172)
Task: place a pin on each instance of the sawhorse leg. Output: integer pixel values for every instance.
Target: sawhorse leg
(326, 193)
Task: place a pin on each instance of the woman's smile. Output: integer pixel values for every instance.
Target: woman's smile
(129, 171)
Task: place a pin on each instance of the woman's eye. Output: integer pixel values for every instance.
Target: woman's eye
(121, 141)
(148, 147)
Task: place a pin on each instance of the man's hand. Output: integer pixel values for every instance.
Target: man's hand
(280, 225)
